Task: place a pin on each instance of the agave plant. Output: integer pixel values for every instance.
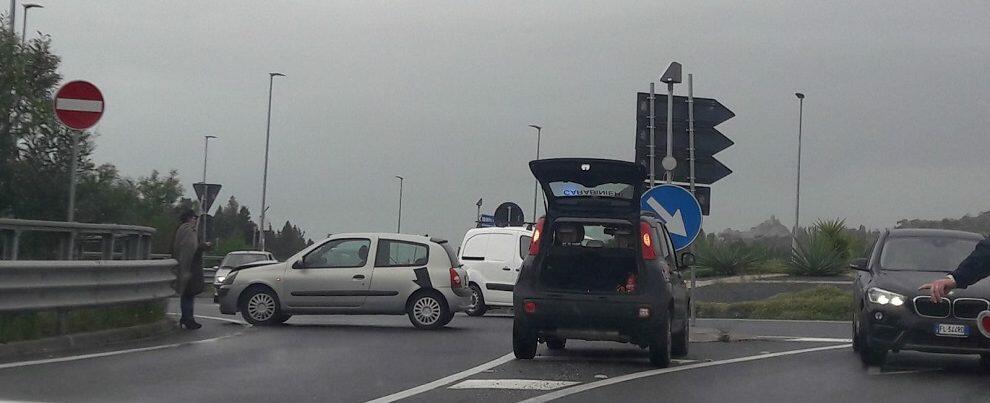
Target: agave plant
(817, 255)
(726, 259)
(834, 231)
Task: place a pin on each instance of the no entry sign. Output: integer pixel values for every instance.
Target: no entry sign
(78, 105)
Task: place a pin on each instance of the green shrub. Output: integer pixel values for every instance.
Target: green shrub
(770, 266)
(820, 303)
(726, 259)
(816, 256)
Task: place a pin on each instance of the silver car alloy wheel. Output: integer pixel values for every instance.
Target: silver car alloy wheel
(474, 299)
(427, 310)
(261, 307)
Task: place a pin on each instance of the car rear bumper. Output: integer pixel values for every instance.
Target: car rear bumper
(902, 329)
(594, 320)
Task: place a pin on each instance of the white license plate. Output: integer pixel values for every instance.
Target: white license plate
(942, 329)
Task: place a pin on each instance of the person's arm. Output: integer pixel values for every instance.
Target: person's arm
(975, 267)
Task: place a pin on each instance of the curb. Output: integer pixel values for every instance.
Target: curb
(76, 341)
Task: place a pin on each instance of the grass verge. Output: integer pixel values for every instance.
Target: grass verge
(820, 303)
(37, 325)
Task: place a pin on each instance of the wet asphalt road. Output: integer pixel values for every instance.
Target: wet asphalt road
(360, 358)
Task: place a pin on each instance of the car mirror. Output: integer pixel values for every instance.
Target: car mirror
(859, 264)
(298, 265)
(687, 260)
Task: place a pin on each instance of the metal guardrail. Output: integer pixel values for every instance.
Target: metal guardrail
(44, 285)
(209, 273)
(128, 242)
(123, 271)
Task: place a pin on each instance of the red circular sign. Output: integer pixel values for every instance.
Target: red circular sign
(79, 105)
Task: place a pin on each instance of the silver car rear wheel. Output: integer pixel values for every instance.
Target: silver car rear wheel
(428, 311)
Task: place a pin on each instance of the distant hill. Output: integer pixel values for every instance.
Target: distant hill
(979, 224)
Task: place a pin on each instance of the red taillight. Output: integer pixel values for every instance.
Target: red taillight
(529, 307)
(455, 278)
(983, 322)
(646, 241)
(534, 245)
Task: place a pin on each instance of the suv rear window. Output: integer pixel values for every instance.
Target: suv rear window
(609, 190)
(590, 258)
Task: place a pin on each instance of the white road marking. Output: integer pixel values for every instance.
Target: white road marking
(78, 105)
(119, 352)
(773, 320)
(109, 353)
(637, 375)
(879, 371)
(215, 318)
(518, 384)
(445, 380)
(804, 339)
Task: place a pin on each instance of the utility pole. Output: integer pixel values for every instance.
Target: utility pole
(671, 77)
(264, 179)
(398, 228)
(691, 181)
(797, 201)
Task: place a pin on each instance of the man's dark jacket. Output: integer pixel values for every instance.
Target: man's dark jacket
(975, 267)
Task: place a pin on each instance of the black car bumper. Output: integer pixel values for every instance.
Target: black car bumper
(594, 320)
(901, 328)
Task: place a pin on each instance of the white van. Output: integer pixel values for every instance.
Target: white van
(492, 257)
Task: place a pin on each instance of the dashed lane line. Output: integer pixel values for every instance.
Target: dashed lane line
(517, 384)
(644, 374)
(445, 380)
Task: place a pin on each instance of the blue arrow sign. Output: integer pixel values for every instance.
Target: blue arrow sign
(679, 209)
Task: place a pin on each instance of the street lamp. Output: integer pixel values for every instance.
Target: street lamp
(797, 203)
(264, 179)
(206, 152)
(536, 185)
(399, 225)
(25, 19)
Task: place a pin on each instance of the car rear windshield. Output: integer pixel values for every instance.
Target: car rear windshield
(925, 253)
(605, 190)
(451, 253)
(590, 257)
(241, 259)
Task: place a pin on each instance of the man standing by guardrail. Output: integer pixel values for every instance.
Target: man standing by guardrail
(974, 268)
(188, 251)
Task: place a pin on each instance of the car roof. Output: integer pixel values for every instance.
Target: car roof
(500, 230)
(388, 235)
(248, 252)
(932, 232)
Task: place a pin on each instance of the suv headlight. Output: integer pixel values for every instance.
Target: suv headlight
(883, 297)
(229, 279)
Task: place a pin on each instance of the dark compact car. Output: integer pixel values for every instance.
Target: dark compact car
(893, 315)
(598, 267)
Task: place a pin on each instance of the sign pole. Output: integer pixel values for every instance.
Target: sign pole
(72, 175)
(670, 129)
(653, 137)
(691, 162)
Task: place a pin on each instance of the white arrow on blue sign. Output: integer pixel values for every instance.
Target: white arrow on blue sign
(679, 209)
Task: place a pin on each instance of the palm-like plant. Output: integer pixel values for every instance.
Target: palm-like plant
(816, 255)
(724, 258)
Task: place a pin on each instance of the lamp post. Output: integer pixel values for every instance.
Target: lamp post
(264, 179)
(206, 152)
(399, 225)
(536, 184)
(797, 201)
(24, 19)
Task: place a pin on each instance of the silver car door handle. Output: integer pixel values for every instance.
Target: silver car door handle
(506, 269)
(358, 277)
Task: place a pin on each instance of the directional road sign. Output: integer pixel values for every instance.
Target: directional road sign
(679, 209)
(207, 194)
(486, 220)
(79, 105)
(707, 140)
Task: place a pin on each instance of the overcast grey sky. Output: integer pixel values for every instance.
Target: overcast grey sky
(442, 92)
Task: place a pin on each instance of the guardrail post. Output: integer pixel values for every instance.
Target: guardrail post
(10, 244)
(146, 251)
(61, 317)
(108, 246)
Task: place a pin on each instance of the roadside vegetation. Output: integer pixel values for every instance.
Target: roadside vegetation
(37, 325)
(821, 303)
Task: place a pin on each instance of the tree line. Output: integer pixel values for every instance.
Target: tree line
(35, 161)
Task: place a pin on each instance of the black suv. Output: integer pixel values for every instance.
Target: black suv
(892, 315)
(598, 267)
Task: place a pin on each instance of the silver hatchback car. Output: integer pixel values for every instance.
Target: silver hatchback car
(359, 274)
